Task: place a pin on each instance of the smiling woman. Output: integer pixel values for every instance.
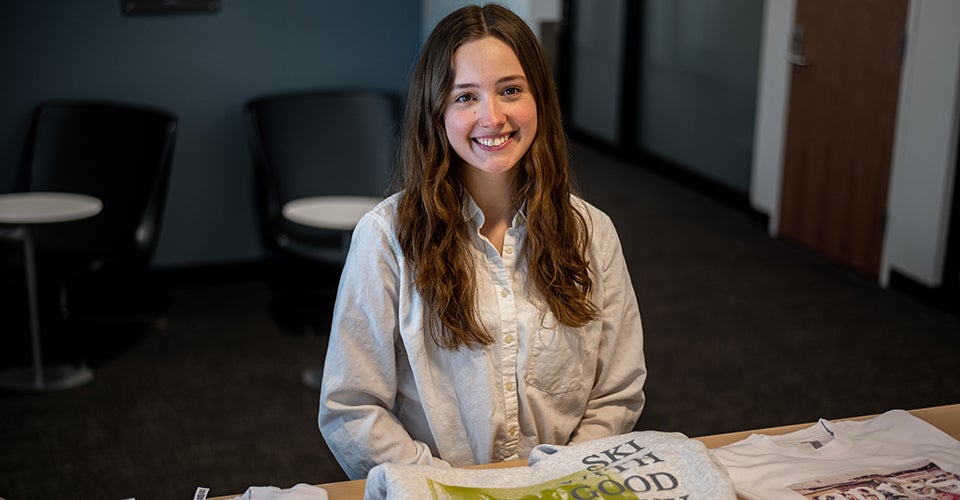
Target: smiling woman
(483, 309)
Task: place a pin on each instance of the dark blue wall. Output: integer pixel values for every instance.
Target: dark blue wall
(203, 67)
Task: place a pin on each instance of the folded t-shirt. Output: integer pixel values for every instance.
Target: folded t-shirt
(893, 455)
(640, 465)
(300, 491)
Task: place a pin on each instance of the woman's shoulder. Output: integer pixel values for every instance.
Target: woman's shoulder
(594, 216)
(381, 218)
(388, 206)
(385, 211)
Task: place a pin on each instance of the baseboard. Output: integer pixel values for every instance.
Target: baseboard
(941, 297)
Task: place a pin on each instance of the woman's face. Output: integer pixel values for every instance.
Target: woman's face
(490, 115)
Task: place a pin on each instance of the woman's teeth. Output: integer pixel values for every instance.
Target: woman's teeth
(492, 142)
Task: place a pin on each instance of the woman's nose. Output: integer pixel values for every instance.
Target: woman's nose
(490, 115)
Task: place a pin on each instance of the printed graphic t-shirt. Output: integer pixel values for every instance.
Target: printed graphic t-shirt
(637, 465)
(893, 455)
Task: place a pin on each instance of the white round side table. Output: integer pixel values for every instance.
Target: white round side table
(329, 212)
(26, 209)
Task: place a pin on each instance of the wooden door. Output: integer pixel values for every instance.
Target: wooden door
(842, 111)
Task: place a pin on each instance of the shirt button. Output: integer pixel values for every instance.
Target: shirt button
(504, 293)
(512, 431)
(508, 339)
(509, 386)
(508, 250)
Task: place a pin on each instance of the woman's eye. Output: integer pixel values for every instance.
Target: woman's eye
(463, 98)
(511, 91)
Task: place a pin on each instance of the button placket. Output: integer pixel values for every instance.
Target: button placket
(503, 270)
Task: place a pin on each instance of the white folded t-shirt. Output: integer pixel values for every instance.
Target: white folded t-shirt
(300, 491)
(893, 455)
(647, 464)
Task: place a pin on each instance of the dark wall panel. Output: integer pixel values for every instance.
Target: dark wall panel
(203, 67)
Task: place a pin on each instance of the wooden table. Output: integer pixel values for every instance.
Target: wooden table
(945, 418)
(25, 209)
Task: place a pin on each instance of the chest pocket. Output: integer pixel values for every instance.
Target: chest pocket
(555, 365)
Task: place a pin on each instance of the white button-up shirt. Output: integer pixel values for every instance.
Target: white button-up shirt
(390, 394)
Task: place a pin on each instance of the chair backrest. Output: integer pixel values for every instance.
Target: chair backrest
(319, 143)
(117, 152)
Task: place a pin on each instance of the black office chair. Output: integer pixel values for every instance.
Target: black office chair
(311, 144)
(318, 143)
(119, 153)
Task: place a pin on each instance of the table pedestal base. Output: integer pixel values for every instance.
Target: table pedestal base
(312, 377)
(54, 378)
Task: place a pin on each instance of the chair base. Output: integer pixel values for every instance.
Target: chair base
(51, 378)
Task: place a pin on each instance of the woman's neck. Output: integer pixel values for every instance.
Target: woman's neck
(494, 195)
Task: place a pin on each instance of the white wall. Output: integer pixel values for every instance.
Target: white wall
(771, 121)
(924, 153)
(924, 157)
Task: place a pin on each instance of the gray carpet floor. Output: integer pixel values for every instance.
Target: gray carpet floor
(742, 331)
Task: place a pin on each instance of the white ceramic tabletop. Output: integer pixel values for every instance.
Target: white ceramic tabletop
(329, 212)
(39, 207)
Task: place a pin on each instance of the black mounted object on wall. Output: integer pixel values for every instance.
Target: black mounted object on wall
(169, 6)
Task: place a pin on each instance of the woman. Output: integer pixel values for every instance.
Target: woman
(483, 309)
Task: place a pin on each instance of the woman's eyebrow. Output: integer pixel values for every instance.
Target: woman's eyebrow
(505, 79)
(512, 78)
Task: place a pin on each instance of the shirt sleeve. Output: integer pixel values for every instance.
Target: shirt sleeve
(617, 397)
(359, 386)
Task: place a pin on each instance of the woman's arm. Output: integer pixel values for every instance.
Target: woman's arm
(360, 373)
(616, 398)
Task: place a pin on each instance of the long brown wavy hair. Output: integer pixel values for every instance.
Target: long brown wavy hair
(432, 229)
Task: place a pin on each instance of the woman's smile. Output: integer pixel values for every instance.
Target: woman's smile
(493, 143)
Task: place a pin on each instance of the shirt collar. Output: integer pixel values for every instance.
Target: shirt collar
(472, 213)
